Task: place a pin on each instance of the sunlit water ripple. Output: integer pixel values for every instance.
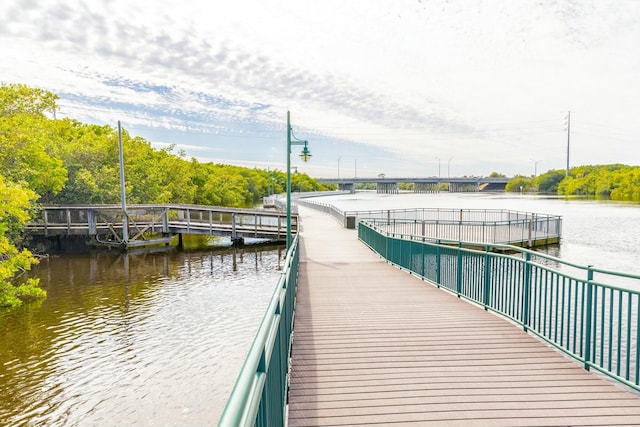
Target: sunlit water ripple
(129, 348)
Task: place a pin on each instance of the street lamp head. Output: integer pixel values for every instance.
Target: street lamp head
(305, 155)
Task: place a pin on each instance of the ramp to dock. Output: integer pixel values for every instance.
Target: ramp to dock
(376, 346)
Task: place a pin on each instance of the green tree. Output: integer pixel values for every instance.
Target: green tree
(520, 183)
(497, 175)
(28, 138)
(21, 99)
(548, 181)
(15, 207)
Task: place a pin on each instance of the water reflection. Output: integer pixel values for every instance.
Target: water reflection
(133, 339)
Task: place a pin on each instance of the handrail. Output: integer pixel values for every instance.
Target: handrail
(259, 394)
(595, 322)
(106, 222)
(485, 225)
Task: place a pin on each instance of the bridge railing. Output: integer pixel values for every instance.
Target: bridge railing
(107, 219)
(476, 225)
(588, 313)
(530, 230)
(347, 219)
(259, 396)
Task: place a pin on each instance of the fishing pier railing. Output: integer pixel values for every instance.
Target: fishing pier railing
(496, 226)
(590, 314)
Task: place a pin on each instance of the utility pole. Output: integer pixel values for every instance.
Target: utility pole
(123, 194)
(568, 139)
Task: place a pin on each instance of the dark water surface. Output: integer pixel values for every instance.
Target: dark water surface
(157, 339)
(147, 339)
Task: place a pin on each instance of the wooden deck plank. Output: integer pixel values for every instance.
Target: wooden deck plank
(374, 345)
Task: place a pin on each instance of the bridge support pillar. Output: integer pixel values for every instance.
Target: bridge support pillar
(347, 186)
(387, 188)
(426, 187)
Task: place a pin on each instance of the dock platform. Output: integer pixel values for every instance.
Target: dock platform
(374, 345)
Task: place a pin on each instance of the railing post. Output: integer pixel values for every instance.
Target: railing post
(91, 222)
(459, 275)
(487, 277)
(526, 292)
(46, 223)
(165, 221)
(438, 264)
(589, 320)
(233, 227)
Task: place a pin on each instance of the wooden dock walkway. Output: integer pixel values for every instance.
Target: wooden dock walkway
(374, 345)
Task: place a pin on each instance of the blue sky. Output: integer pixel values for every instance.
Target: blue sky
(411, 88)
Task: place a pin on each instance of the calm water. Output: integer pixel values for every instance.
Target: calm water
(153, 339)
(601, 233)
(157, 339)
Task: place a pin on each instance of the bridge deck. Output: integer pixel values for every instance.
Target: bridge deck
(376, 346)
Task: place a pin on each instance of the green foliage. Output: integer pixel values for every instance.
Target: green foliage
(15, 207)
(519, 184)
(362, 186)
(616, 181)
(548, 181)
(21, 99)
(68, 162)
(27, 143)
(497, 175)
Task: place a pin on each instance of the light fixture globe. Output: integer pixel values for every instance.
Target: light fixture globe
(305, 155)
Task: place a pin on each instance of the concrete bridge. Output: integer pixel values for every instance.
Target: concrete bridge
(432, 184)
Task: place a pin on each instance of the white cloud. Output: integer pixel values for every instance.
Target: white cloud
(399, 83)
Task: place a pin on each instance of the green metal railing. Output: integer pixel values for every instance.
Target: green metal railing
(499, 226)
(593, 321)
(259, 396)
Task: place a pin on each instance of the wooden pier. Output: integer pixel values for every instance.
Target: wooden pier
(374, 345)
(153, 224)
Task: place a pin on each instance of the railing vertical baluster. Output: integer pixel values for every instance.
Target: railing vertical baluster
(568, 313)
(554, 281)
(422, 248)
(438, 264)
(526, 291)
(610, 346)
(637, 341)
(628, 349)
(602, 320)
(487, 275)
(588, 320)
(619, 343)
(459, 271)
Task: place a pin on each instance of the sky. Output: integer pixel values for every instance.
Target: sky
(402, 88)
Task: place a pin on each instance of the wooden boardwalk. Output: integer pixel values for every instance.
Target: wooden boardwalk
(374, 345)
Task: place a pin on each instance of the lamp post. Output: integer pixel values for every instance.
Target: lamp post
(449, 167)
(305, 155)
